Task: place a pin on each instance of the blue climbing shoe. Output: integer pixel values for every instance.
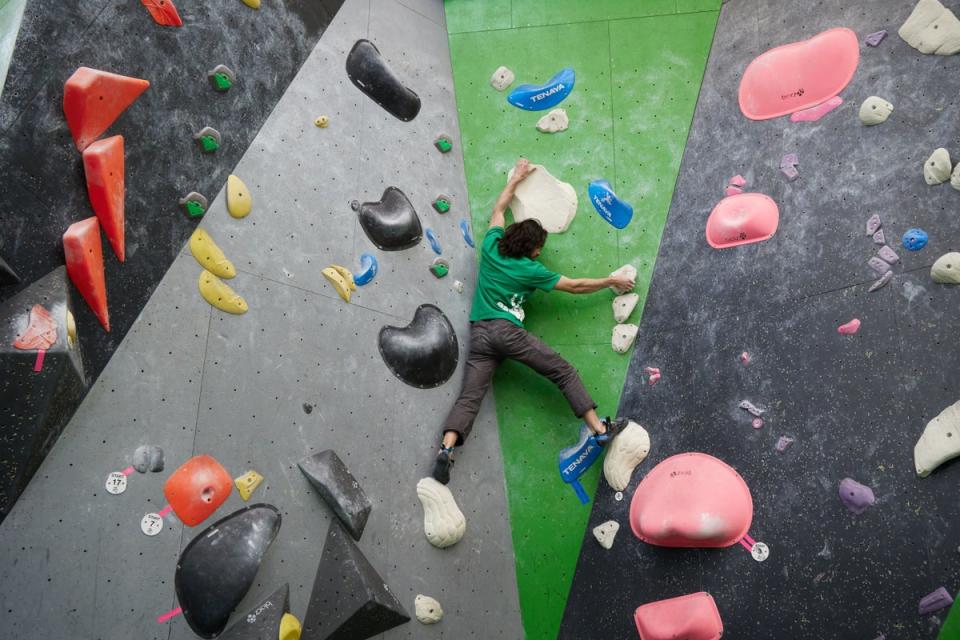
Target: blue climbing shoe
(577, 458)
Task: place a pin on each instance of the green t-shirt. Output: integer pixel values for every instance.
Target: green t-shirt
(504, 283)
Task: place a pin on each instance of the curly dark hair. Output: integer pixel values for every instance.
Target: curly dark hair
(521, 239)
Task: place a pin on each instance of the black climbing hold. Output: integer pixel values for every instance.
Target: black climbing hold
(7, 275)
(392, 224)
(338, 488)
(217, 568)
(35, 406)
(370, 73)
(423, 354)
(307, 408)
(262, 621)
(349, 601)
(148, 458)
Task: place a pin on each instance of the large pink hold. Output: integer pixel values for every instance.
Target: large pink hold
(690, 617)
(799, 75)
(742, 219)
(691, 500)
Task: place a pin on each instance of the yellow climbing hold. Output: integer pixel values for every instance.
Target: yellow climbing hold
(341, 279)
(219, 294)
(209, 255)
(239, 202)
(289, 627)
(71, 330)
(248, 483)
(322, 122)
(253, 4)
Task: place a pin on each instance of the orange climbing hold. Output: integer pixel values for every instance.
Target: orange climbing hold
(93, 99)
(103, 164)
(163, 12)
(197, 488)
(81, 244)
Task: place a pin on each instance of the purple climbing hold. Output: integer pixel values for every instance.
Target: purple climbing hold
(750, 408)
(879, 238)
(882, 282)
(888, 254)
(939, 599)
(873, 224)
(878, 265)
(790, 172)
(875, 38)
(789, 160)
(855, 496)
(784, 443)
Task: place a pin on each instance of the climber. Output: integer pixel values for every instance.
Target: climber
(508, 275)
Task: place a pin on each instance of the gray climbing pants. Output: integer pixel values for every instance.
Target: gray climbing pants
(493, 341)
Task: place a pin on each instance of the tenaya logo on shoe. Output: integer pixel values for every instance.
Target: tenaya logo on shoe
(576, 463)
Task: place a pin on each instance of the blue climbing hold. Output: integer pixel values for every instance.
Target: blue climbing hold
(915, 239)
(434, 242)
(368, 269)
(539, 97)
(465, 230)
(577, 458)
(608, 205)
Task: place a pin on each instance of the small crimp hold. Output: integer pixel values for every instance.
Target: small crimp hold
(875, 38)
(888, 254)
(879, 237)
(849, 328)
(442, 204)
(439, 267)
(222, 77)
(873, 224)
(751, 408)
(322, 121)
(882, 282)
(783, 443)
(194, 204)
(443, 144)
(878, 265)
(208, 138)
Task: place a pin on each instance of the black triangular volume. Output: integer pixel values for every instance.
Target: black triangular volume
(339, 489)
(262, 621)
(349, 601)
(7, 275)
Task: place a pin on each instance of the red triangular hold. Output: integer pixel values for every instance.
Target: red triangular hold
(103, 164)
(81, 244)
(164, 12)
(93, 99)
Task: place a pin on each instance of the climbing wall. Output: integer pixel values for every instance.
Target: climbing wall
(638, 69)
(855, 405)
(300, 372)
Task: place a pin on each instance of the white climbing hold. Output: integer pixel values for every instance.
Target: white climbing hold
(556, 120)
(932, 28)
(606, 532)
(939, 442)
(627, 270)
(623, 337)
(875, 110)
(946, 270)
(542, 197)
(501, 78)
(428, 609)
(955, 177)
(628, 449)
(937, 168)
(443, 522)
(624, 305)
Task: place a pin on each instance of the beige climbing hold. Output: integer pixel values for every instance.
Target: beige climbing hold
(955, 177)
(544, 198)
(323, 122)
(219, 294)
(209, 255)
(939, 442)
(428, 609)
(443, 522)
(626, 270)
(946, 270)
(937, 168)
(875, 110)
(623, 337)
(253, 4)
(341, 279)
(606, 532)
(501, 78)
(628, 449)
(239, 202)
(248, 483)
(554, 122)
(624, 305)
(932, 28)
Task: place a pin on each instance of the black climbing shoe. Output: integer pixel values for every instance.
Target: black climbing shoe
(441, 468)
(614, 427)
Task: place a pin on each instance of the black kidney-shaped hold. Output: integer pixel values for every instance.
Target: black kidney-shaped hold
(392, 223)
(424, 353)
(218, 567)
(370, 73)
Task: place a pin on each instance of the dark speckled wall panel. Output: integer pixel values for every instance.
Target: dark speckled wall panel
(855, 404)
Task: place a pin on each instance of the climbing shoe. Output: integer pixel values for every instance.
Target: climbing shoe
(442, 465)
(613, 428)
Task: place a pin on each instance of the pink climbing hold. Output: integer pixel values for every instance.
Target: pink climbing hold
(737, 181)
(742, 219)
(815, 113)
(757, 423)
(783, 443)
(855, 496)
(939, 599)
(849, 328)
(732, 191)
(653, 374)
(691, 617)
(744, 358)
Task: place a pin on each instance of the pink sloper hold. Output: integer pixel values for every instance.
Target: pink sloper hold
(742, 219)
(815, 113)
(691, 617)
(849, 328)
(799, 75)
(691, 500)
(41, 332)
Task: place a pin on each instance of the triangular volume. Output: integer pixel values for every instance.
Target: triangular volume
(339, 489)
(93, 99)
(103, 164)
(262, 621)
(81, 245)
(7, 274)
(163, 12)
(349, 601)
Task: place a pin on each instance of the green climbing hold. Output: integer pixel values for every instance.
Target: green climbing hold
(222, 77)
(441, 204)
(194, 204)
(439, 267)
(209, 144)
(195, 209)
(443, 144)
(222, 81)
